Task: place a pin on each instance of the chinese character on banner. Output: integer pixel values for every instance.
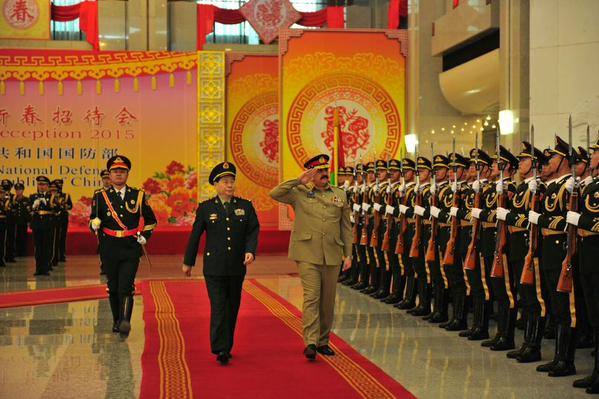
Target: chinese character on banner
(44, 153)
(109, 153)
(62, 116)
(66, 153)
(4, 152)
(87, 153)
(4, 116)
(124, 117)
(29, 116)
(94, 117)
(23, 153)
(25, 19)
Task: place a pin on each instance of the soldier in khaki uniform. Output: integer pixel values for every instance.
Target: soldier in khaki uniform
(321, 238)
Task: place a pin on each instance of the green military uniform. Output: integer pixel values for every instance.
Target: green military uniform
(321, 236)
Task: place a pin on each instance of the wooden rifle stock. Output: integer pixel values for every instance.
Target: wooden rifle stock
(527, 277)
(449, 257)
(565, 278)
(355, 228)
(364, 234)
(389, 228)
(374, 239)
(497, 269)
(431, 250)
(472, 253)
(403, 225)
(415, 248)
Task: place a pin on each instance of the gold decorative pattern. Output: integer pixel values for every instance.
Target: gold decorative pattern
(211, 116)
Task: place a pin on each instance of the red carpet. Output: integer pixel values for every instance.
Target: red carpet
(54, 295)
(267, 362)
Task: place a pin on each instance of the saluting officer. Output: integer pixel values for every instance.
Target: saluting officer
(231, 227)
(10, 223)
(124, 222)
(320, 240)
(21, 210)
(42, 214)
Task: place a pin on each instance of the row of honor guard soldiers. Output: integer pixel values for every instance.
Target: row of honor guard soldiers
(467, 231)
(46, 211)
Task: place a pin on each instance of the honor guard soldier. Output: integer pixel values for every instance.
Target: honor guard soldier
(552, 221)
(42, 214)
(56, 200)
(231, 228)
(344, 181)
(320, 240)
(106, 185)
(10, 223)
(21, 210)
(361, 255)
(587, 222)
(63, 221)
(383, 285)
(4, 211)
(124, 222)
(368, 285)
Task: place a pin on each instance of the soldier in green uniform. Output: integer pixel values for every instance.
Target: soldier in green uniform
(21, 211)
(587, 221)
(231, 227)
(321, 238)
(42, 214)
(124, 221)
(552, 221)
(10, 223)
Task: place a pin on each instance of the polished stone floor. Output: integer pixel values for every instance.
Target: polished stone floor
(68, 351)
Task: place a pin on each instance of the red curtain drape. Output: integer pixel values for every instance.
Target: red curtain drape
(397, 9)
(87, 12)
(333, 17)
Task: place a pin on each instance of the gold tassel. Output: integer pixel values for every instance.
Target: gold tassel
(60, 88)
(153, 82)
(22, 88)
(2, 88)
(171, 80)
(189, 80)
(98, 86)
(41, 87)
(79, 88)
(135, 84)
(117, 85)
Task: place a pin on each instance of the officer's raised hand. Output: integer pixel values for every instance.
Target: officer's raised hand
(307, 176)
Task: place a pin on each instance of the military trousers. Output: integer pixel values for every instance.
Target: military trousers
(589, 273)
(42, 240)
(2, 240)
(553, 251)
(319, 283)
(225, 298)
(21, 239)
(10, 239)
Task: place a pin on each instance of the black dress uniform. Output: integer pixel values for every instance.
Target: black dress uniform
(354, 198)
(63, 221)
(21, 210)
(231, 232)
(362, 250)
(368, 217)
(122, 221)
(4, 211)
(10, 223)
(42, 214)
(56, 200)
(384, 281)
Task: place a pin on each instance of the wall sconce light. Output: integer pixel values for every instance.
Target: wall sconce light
(506, 121)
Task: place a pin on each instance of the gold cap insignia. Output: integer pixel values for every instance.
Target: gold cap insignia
(226, 165)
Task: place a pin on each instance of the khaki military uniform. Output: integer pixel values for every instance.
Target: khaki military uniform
(321, 236)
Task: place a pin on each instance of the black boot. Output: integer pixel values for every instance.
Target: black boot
(527, 333)
(532, 352)
(424, 300)
(459, 313)
(481, 320)
(384, 285)
(506, 341)
(591, 383)
(409, 299)
(126, 311)
(440, 306)
(566, 337)
(115, 308)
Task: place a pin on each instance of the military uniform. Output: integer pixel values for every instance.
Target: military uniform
(10, 223)
(58, 206)
(124, 222)
(63, 222)
(383, 285)
(42, 214)
(20, 208)
(321, 236)
(4, 211)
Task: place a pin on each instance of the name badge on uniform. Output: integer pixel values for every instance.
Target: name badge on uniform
(213, 216)
(239, 212)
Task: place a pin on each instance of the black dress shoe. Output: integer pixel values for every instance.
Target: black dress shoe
(516, 353)
(438, 318)
(222, 358)
(478, 334)
(325, 350)
(124, 328)
(115, 327)
(503, 344)
(310, 352)
(359, 286)
(562, 369)
(490, 342)
(529, 355)
(466, 333)
(546, 367)
(583, 382)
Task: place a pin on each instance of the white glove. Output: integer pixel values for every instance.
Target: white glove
(533, 217)
(433, 188)
(453, 211)
(499, 187)
(357, 207)
(454, 187)
(377, 207)
(403, 209)
(476, 186)
(365, 206)
(389, 210)
(36, 204)
(351, 218)
(533, 185)
(141, 239)
(570, 184)
(42, 200)
(476, 213)
(363, 188)
(418, 210)
(95, 224)
(435, 212)
(573, 218)
(346, 184)
(502, 213)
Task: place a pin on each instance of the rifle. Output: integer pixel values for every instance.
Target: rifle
(388, 217)
(449, 258)
(399, 246)
(527, 277)
(471, 254)
(497, 269)
(374, 239)
(365, 200)
(415, 248)
(355, 200)
(565, 278)
(431, 250)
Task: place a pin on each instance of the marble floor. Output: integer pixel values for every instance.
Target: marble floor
(67, 350)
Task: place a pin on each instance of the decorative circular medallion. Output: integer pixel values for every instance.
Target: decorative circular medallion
(21, 14)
